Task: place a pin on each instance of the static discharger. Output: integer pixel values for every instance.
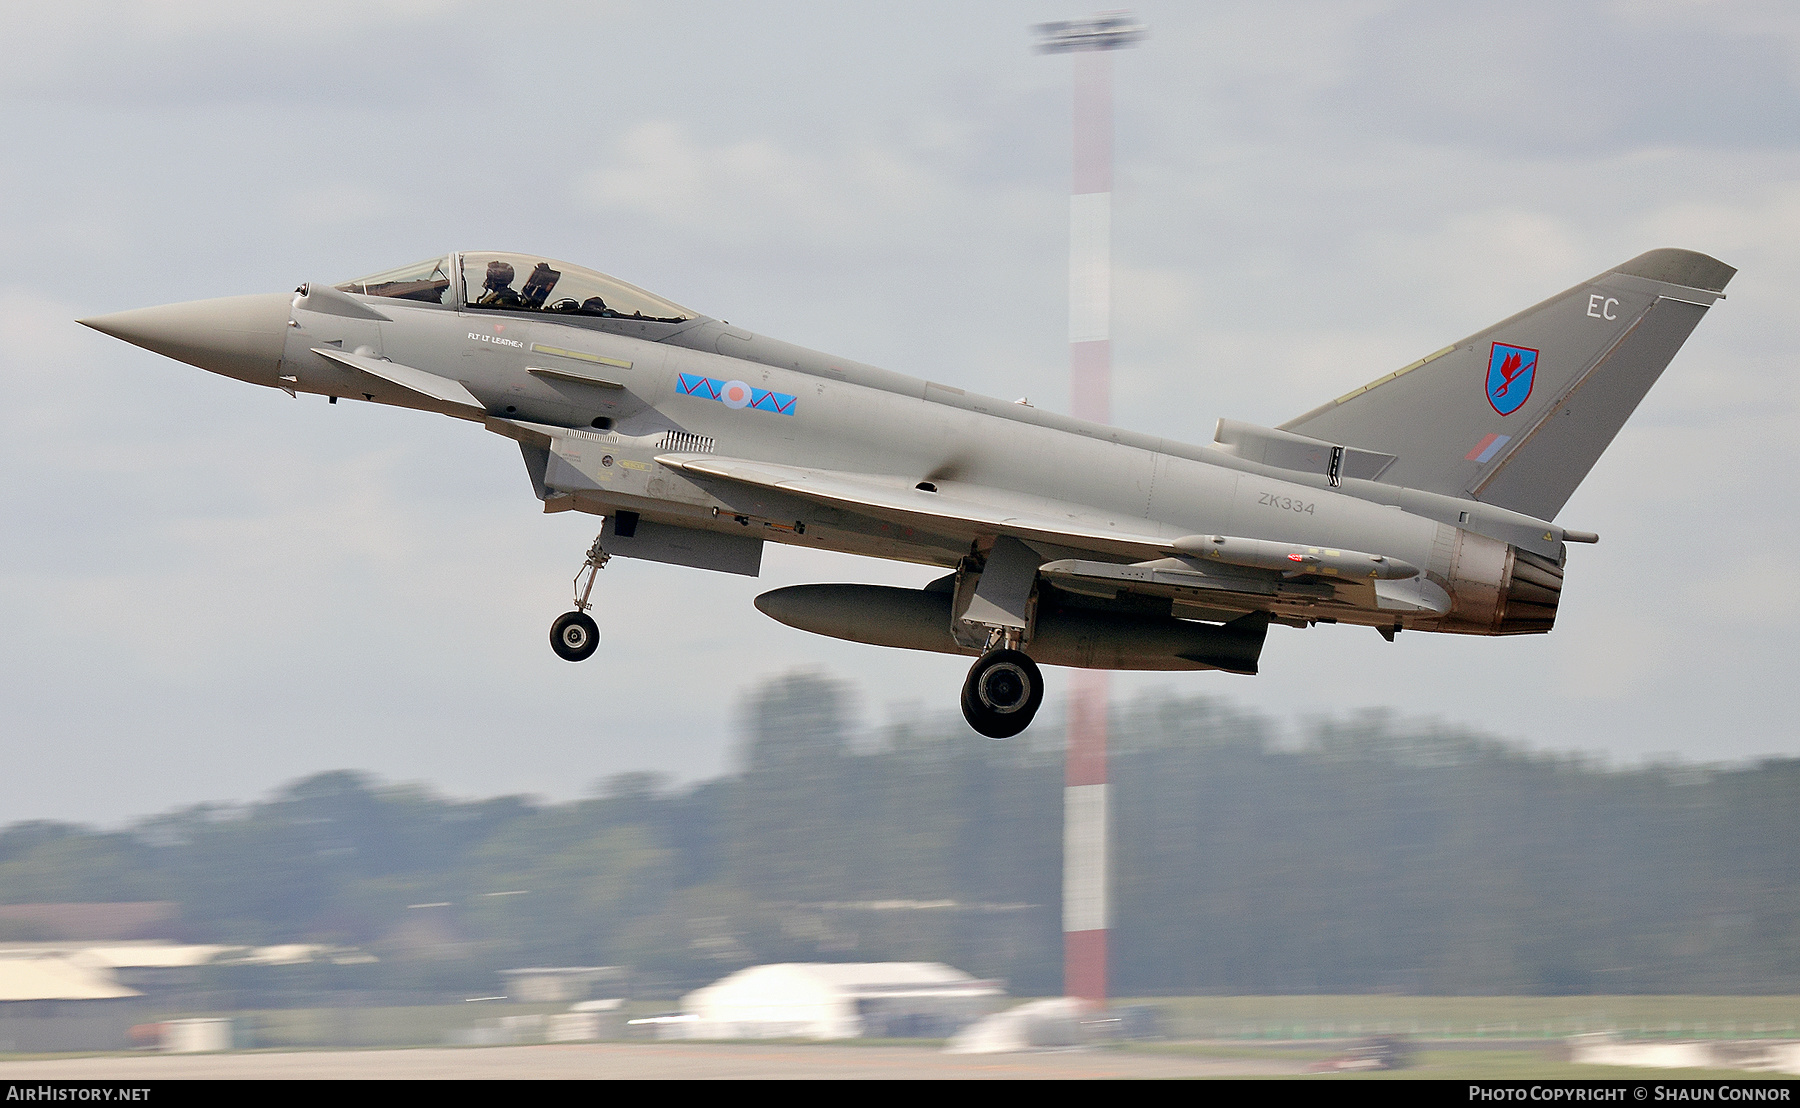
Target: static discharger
(1293, 559)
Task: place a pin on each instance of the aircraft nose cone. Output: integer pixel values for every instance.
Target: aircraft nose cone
(238, 336)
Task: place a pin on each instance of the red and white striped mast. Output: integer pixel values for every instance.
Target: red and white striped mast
(1086, 880)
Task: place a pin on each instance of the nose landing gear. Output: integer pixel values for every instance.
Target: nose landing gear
(1003, 693)
(575, 636)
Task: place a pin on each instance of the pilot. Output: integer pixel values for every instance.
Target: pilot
(593, 305)
(497, 289)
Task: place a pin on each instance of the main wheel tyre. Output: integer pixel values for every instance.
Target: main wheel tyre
(574, 636)
(1002, 693)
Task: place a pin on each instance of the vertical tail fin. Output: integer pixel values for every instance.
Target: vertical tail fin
(1517, 415)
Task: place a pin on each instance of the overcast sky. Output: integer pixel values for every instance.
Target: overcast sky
(208, 588)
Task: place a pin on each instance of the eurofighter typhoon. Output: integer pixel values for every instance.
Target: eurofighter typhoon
(1421, 501)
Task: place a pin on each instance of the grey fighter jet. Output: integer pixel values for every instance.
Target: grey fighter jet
(1422, 500)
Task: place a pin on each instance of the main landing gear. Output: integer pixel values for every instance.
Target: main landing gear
(575, 636)
(996, 594)
(1003, 693)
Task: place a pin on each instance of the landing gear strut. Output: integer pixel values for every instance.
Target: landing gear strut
(575, 636)
(1003, 693)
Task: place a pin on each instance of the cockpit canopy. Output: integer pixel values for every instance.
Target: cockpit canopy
(427, 282)
(519, 283)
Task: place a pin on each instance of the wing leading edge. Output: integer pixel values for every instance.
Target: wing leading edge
(964, 507)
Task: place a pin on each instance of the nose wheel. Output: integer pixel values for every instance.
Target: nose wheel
(1002, 694)
(575, 636)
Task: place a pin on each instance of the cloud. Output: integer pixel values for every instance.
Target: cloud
(1618, 659)
(756, 190)
(1572, 78)
(210, 587)
(208, 52)
(336, 203)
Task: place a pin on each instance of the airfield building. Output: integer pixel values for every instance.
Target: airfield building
(811, 1000)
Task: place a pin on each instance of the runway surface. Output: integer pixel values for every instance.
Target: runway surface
(608, 1061)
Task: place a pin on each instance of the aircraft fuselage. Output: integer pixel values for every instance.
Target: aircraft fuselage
(1083, 544)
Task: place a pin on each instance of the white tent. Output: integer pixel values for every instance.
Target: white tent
(818, 1000)
(52, 977)
(1053, 1021)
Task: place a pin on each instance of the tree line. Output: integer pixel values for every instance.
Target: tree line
(1374, 854)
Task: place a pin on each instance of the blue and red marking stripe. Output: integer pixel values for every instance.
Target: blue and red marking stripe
(704, 387)
(1486, 449)
(735, 394)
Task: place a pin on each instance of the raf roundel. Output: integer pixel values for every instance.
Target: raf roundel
(735, 394)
